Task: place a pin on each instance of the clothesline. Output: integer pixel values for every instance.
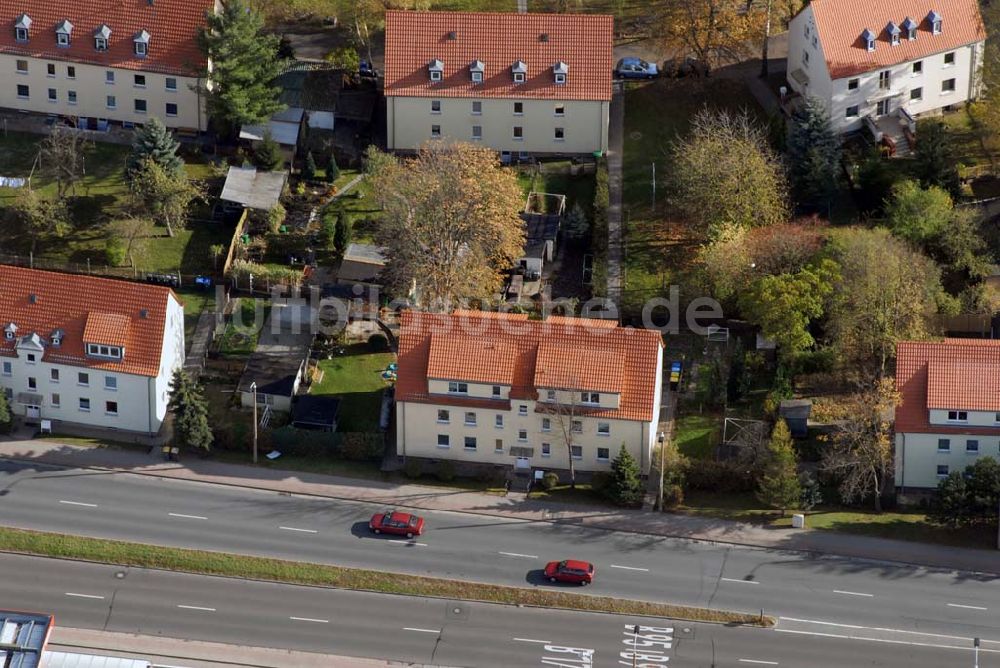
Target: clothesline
(12, 182)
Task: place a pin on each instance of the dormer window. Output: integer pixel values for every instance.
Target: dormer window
(559, 72)
(436, 70)
(910, 26)
(894, 32)
(476, 70)
(141, 43)
(935, 20)
(868, 37)
(101, 36)
(56, 338)
(110, 352)
(22, 27)
(63, 32)
(519, 70)
(9, 331)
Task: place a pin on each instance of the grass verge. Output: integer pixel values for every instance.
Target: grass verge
(276, 570)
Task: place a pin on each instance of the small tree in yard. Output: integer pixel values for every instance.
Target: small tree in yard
(160, 194)
(564, 410)
(267, 154)
(934, 161)
(951, 501)
(626, 481)
(6, 417)
(187, 402)
(309, 168)
(342, 234)
(216, 251)
(154, 142)
(779, 485)
(332, 170)
(35, 217)
(813, 154)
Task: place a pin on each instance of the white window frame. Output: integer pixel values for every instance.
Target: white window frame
(560, 79)
(606, 458)
(947, 471)
(944, 446)
(55, 400)
(917, 69)
(436, 75)
(475, 443)
(167, 87)
(62, 39)
(447, 441)
(81, 407)
(522, 409)
(27, 95)
(477, 133)
(522, 435)
(958, 416)
(141, 49)
(455, 387)
(113, 387)
(546, 449)
(50, 70)
(919, 90)
(17, 66)
(100, 44)
(8, 369)
(519, 77)
(546, 424)
(576, 426)
(606, 431)
(447, 416)
(436, 107)
(498, 421)
(469, 419)
(166, 110)
(135, 106)
(20, 35)
(71, 97)
(967, 442)
(576, 448)
(477, 107)
(82, 379)
(477, 77)
(113, 100)
(559, 131)
(109, 77)
(54, 375)
(498, 446)
(107, 409)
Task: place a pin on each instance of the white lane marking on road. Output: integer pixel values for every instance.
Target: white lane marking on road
(99, 598)
(299, 530)
(542, 642)
(196, 607)
(852, 593)
(763, 663)
(78, 503)
(746, 582)
(967, 607)
(886, 640)
(877, 628)
(187, 517)
(407, 542)
(408, 628)
(310, 619)
(629, 568)
(518, 554)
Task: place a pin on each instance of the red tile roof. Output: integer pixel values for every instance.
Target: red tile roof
(560, 352)
(954, 374)
(582, 41)
(841, 22)
(172, 25)
(83, 307)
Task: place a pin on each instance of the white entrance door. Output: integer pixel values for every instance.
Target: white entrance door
(32, 412)
(522, 463)
(883, 107)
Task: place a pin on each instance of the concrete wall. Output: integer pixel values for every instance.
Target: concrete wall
(418, 429)
(92, 90)
(918, 456)
(837, 96)
(584, 124)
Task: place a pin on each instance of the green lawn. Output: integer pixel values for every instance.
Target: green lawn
(911, 526)
(658, 246)
(194, 300)
(355, 377)
(242, 340)
(697, 435)
(359, 205)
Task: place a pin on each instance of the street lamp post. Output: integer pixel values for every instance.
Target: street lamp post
(253, 388)
(635, 641)
(659, 501)
(975, 644)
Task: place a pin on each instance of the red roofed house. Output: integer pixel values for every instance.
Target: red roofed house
(950, 410)
(881, 63)
(500, 389)
(121, 61)
(518, 83)
(88, 351)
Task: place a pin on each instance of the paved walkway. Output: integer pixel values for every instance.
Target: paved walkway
(616, 147)
(514, 506)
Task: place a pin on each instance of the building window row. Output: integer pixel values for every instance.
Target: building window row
(140, 106)
(971, 446)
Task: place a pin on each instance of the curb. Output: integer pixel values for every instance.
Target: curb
(816, 554)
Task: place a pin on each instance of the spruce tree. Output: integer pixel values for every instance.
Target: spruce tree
(6, 417)
(245, 64)
(267, 154)
(934, 161)
(187, 402)
(309, 168)
(332, 170)
(154, 142)
(779, 485)
(813, 155)
(342, 234)
(626, 482)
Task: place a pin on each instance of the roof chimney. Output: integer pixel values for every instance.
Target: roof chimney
(544, 37)
(452, 36)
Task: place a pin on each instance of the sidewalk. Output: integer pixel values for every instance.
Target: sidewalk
(515, 507)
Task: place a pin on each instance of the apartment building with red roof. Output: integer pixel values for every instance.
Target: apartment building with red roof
(950, 410)
(518, 83)
(501, 389)
(880, 64)
(105, 61)
(83, 350)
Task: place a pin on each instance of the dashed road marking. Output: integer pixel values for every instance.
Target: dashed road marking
(542, 642)
(410, 628)
(629, 568)
(518, 554)
(967, 607)
(852, 593)
(746, 582)
(187, 517)
(196, 607)
(310, 619)
(757, 661)
(299, 530)
(78, 503)
(99, 598)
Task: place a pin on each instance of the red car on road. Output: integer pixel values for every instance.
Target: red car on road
(570, 570)
(397, 523)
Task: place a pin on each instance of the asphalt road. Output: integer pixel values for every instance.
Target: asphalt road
(425, 631)
(815, 594)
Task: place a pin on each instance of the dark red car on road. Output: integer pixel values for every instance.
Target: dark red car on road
(570, 570)
(397, 523)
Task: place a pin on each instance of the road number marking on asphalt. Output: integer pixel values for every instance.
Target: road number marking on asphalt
(852, 593)
(516, 554)
(746, 582)
(187, 517)
(310, 619)
(299, 530)
(196, 607)
(78, 503)
(629, 568)
(409, 628)
(967, 607)
(99, 598)
(648, 646)
(568, 657)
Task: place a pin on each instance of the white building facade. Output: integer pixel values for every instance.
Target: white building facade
(74, 353)
(950, 411)
(894, 59)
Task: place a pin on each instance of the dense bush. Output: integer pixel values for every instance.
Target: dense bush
(710, 475)
(445, 470)
(413, 469)
(361, 446)
(378, 343)
(550, 480)
(115, 253)
(599, 481)
(673, 496)
(305, 442)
